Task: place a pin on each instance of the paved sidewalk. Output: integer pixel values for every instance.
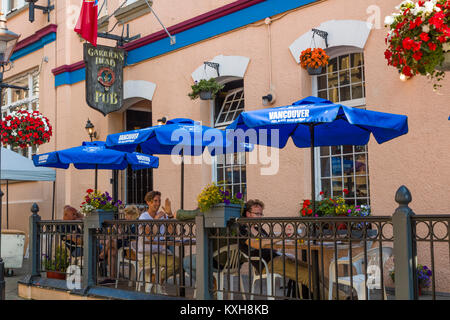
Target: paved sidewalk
(11, 282)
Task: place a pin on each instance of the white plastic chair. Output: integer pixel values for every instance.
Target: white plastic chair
(257, 276)
(231, 267)
(122, 259)
(359, 279)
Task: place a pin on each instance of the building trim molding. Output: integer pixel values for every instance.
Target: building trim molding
(208, 25)
(35, 42)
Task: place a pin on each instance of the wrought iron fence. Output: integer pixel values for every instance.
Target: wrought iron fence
(61, 246)
(302, 258)
(147, 255)
(431, 243)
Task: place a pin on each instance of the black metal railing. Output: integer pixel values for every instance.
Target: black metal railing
(61, 246)
(147, 255)
(305, 255)
(431, 242)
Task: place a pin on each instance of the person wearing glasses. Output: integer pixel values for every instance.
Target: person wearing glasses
(277, 262)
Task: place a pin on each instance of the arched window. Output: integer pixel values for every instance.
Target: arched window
(230, 169)
(343, 167)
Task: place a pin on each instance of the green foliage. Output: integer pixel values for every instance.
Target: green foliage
(212, 195)
(60, 262)
(205, 85)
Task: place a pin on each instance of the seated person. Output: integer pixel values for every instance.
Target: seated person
(73, 242)
(125, 235)
(282, 264)
(152, 252)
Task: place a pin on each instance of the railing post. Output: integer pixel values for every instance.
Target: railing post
(203, 272)
(403, 246)
(35, 244)
(91, 223)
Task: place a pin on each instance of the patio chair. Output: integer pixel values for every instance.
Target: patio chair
(255, 276)
(359, 279)
(231, 267)
(126, 256)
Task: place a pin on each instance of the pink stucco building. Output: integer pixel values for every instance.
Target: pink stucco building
(256, 44)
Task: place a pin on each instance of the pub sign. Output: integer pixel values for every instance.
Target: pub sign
(104, 77)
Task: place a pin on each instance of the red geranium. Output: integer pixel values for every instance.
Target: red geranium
(25, 128)
(418, 38)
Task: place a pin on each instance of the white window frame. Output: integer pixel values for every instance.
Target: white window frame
(6, 6)
(360, 103)
(32, 98)
(221, 126)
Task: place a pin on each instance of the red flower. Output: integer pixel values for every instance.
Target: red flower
(307, 202)
(407, 71)
(424, 36)
(321, 192)
(345, 191)
(416, 46)
(432, 46)
(407, 43)
(309, 211)
(418, 55)
(89, 190)
(388, 54)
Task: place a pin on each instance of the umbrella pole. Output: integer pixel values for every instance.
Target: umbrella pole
(182, 181)
(313, 172)
(7, 204)
(53, 200)
(96, 172)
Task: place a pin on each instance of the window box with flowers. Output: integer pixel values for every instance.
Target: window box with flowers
(418, 39)
(313, 60)
(337, 207)
(424, 275)
(219, 206)
(25, 129)
(98, 207)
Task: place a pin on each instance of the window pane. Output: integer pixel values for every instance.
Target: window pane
(356, 75)
(357, 91)
(347, 149)
(361, 187)
(219, 174)
(326, 187)
(325, 167)
(333, 80)
(322, 82)
(323, 94)
(348, 165)
(332, 65)
(357, 59)
(336, 149)
(336, 166)
(349, 185)
(360, 149)
(344, 62)
(360, 164)
(324, 151)
(337, 187)
(345, 94)
(333, 95)
(344, 78)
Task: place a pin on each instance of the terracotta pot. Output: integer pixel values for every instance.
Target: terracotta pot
(56, 275)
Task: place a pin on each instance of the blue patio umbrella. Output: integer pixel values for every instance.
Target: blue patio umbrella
(95, 155)
(177, 137)
(314, 122)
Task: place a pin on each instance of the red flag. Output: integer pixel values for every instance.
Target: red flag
(87, 22)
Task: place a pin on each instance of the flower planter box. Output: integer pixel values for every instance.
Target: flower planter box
(56, 275)
(446, 64)
(314, 72)
(97, 217)
(219, 215)
(206, 95)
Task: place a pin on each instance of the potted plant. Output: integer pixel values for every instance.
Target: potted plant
(418, 39)
(56, 267)
(313, 60)
(205, 89)
(424, 275)
(337, 207)
(219, 206)
(98, 207)
(25, 128)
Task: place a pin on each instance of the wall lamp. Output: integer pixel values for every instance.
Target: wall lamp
(33, 6)
(162, 121)
(90, 130)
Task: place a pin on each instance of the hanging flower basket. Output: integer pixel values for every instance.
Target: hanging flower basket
(418, 39)
(205, 89)
(313, 60)
(24, 129)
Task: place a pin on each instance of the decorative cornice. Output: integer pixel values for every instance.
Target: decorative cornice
(194, 22)
(38, 35)
(68, 68)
